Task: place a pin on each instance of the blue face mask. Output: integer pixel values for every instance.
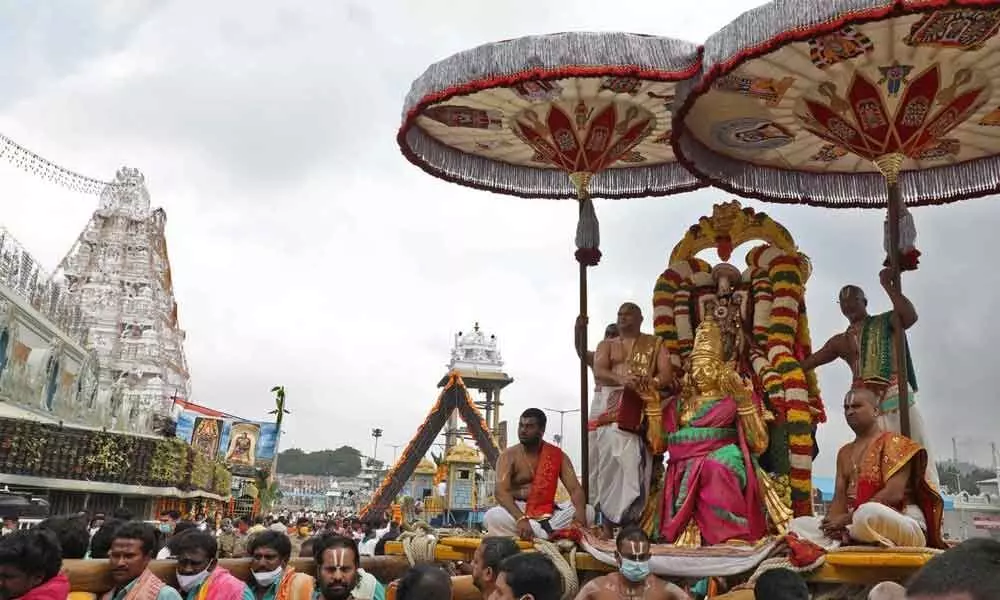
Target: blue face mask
(634, 570)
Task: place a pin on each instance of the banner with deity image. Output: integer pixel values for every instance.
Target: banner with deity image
(206, 435)
(218, 435)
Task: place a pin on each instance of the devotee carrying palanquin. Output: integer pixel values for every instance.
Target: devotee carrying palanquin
(626, 419)
(198, 572)
(271, 577)
(132, 548)
(633, 578)
(528, 476)
(969, 571)
(881, 495)
(30, 563)
(868, 348)
(486, 562)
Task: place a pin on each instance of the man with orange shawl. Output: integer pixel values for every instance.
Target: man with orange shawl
(625, 421)
(199, 575)
(271, 577)
(528, 476)
(132, 547)
(882, 495)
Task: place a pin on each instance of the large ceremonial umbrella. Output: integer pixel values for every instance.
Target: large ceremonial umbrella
(569, 115)
(853, 103)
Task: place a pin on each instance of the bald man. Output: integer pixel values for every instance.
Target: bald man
(868, 347)
(630, 370)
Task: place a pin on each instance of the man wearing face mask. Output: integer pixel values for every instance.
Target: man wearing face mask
(168, 522)
(132, 548)
(633, 578)
(302, 533)
(231, 542)
(338, 571)
(198, 574)
(271, 577)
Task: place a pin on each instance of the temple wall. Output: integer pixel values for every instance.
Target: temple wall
(43, 369)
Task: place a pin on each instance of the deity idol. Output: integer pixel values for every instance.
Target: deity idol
(764, 331)
(715, 491)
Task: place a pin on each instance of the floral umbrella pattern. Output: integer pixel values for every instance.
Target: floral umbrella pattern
(804, 116)
(518, 116)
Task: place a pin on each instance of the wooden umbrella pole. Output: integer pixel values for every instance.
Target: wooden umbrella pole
(584, 388)
(586, 239)
(890, 167)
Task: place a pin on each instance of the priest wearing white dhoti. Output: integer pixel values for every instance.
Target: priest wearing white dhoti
(528, 476)
(882, 495)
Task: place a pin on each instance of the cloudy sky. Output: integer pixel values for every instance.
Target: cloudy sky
(307, 252)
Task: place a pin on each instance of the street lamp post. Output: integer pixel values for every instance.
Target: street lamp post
(562, 416)
(376, 433)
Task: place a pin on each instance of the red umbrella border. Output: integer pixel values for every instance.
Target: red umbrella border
(545, 58)
(721, 56)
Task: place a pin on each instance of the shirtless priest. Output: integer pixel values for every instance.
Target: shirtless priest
(633, 578)
(882, 495)
(528, 476)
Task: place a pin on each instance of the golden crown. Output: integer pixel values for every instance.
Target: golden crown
(707, 339)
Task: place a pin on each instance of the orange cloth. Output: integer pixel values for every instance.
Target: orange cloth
(542, 499)
(888, 455)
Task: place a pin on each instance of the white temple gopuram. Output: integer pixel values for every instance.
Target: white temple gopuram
(119, 272)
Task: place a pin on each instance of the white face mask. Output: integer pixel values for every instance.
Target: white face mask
(188, 582)
(267, 577)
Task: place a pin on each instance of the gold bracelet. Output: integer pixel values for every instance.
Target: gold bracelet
(522, 518)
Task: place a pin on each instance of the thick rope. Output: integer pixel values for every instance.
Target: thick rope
(571, 584)
(419, 544)
(781, 562)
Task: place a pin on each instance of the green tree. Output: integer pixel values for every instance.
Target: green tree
(962, 476)
(342, 462)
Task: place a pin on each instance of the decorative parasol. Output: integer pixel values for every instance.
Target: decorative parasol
(569, 115)
(856, 103)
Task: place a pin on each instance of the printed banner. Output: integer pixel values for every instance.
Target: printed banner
(237, 441)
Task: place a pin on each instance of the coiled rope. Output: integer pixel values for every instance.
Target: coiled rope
(781, 562)
(419, 543)
(567, 570)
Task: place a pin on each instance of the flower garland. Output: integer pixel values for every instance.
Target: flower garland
(792, 403)
(672, 306)
(780, 333)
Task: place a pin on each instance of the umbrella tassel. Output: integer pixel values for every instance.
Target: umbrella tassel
(588, 234)
(909, 256)
(588, 231)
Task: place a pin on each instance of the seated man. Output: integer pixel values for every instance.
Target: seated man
(881, 496)
(633, 578)
(527, 477)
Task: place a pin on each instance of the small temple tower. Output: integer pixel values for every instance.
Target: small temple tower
(421, 484)
(119, 272)
(461, 462)
(476, 357)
